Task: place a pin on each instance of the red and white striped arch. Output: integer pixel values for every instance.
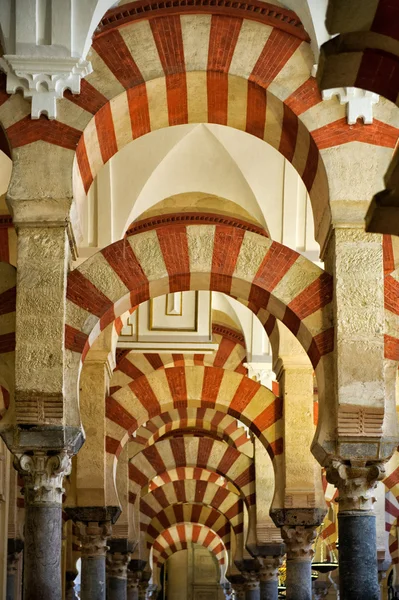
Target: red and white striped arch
(194, 421)
(198, 494)
(7, 335)
(193, 492)
(231, 354)
(189, 473)
(212, 455)
(178, 537)
(188, 68)
(266, 276)
(189, 513)
(203, 387)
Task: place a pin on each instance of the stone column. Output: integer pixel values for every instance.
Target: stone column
(12, 569)
(358, 567)
(143, 585)
(320, 589)
(268, 575)
(298, 540)
(43, 475)
(133, 581)
(118, 558)
(93, 537)
(252, 585)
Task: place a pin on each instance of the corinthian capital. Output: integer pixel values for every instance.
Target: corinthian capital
(43, 475)
(270, 567)
(251, 580)
(298, 540)
(133, 580)
(117, 563)
(93, 538)
(356, 484)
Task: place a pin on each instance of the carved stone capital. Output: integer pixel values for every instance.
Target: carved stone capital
(117, 563)
(298, 540)
(143, 585)
(93, 538)
(133, 580)
(12, 563)
(43, 475)
(238, 591)
(251, 580)
(269, 567)
(356, 484)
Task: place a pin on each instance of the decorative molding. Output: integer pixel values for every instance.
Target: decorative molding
(359, 103)
(254, 10)
(6, 221)
(39, 409)
(43, 475)
(93, 538)
(230, 334)
(44, 79)
(191, 218)
(299, 541)
(364, 421)
(356, 484)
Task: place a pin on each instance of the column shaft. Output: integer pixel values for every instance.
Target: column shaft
(93, 578)
(42, 561)
(117, 588)
(299, 579)
(133, 592)
(358, 570)
(269, 590)
(358, 566)
(10, 586)
(252, 593)
(93, 537)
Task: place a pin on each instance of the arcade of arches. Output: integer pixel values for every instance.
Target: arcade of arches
(199, 300)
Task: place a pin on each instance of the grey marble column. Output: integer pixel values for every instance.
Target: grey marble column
(93, 537)
(12, 570)
(133, 580)
(299, 540)
(358, 566)
(268, 575)
(252, 588)
(43, 475)
(118, 558)
(143, 586)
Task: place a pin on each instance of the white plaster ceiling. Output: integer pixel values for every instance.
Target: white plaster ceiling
(198, 158)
